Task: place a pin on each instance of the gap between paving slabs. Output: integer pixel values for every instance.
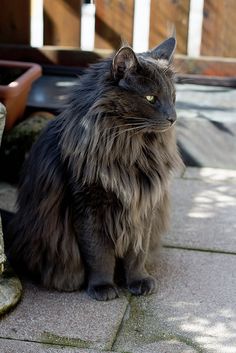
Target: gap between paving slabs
(132, 312)
(183, 309)
(15, 346)
(135, 314)
(50, 338)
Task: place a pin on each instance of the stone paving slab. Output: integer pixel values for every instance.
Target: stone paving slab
(203, 213)
(210, 174)
(195, 305)
(64, 319)
(11, 346)
(171, 346)
(206, 143)
(206, 125)
(206, 102)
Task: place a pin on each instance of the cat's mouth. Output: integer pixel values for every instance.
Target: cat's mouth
(137, 126)
(162, 127)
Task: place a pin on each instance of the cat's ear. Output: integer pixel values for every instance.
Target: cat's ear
(165, 50)
(125, 59)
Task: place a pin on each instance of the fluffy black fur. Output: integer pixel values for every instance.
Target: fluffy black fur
(95, 187)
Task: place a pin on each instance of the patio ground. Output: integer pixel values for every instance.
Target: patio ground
(194, 309)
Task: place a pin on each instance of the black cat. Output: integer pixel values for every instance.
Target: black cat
(95, 186)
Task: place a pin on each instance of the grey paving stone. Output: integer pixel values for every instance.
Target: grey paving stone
(203, 215)
(206, 143)
(210, 174)
(206, 102)
(195, 304)
(171, 346)
(64, 319)
(12, 346)
(206, 125)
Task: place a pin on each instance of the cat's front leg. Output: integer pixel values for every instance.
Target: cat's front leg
(99, 258)
(100, 277)
(138, 281)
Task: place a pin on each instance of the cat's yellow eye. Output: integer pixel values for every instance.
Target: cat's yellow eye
(151, 99)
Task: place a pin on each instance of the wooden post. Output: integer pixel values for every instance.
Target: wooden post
(62, 22)
(165, 16)
(114, 23)
(15, 22)
(218, 32)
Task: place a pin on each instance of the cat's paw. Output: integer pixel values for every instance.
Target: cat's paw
(103, 292)
(144, 286)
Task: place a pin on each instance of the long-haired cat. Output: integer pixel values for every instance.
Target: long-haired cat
(95, 187)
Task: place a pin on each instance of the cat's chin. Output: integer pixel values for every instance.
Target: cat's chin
(160, 129)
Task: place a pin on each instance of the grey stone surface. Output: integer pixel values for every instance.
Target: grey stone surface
(64, 318)
(169, 346)
(203, 214)
(7, 196)
(195, 304)
(205, 143)
(206, 125)
(206, 102)
(10, 346)
(210, 174)
(10, 291)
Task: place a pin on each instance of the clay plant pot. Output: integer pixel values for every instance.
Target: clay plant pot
(16, 79)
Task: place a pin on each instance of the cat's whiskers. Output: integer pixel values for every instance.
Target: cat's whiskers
(134, 126)
(115, 127)
(113, 137)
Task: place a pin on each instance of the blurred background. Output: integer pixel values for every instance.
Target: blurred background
(62, 37)
(203, 27)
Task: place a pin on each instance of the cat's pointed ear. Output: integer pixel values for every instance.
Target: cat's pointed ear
(125, 59)
(165, 50)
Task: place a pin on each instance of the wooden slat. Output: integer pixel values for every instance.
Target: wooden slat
(165, 15)
(114, 23)
(205, 65)
(219, 24)
(15, 21)
(51, 55)
(62, 22)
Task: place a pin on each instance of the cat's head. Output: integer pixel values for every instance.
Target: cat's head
(145, 87)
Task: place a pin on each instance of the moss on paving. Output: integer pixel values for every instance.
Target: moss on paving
(135, 322)
(53, 339)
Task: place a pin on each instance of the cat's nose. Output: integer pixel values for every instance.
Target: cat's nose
(171, 119)
(170, 115)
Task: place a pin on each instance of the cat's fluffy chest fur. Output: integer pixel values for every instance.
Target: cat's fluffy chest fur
(139, 183)
(139, 189)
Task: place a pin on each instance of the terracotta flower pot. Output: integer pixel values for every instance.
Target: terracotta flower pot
(16, 79)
